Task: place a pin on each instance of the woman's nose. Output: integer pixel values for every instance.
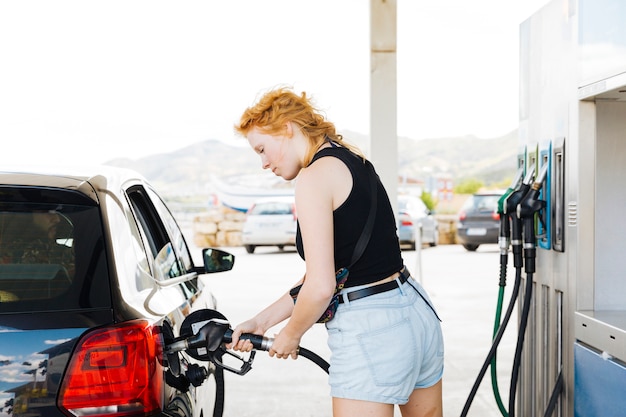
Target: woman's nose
(265, 164)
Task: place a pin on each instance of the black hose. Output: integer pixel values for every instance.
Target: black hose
(520, 343)
(314, 358)
(556, 391)
(496, 342)
(218, 408)
(264, 343)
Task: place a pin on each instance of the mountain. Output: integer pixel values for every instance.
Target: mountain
(192, 169)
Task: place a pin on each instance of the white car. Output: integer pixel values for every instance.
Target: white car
(271, 221)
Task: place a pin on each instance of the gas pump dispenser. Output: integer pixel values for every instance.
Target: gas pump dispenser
(571, 358)
(566, 230)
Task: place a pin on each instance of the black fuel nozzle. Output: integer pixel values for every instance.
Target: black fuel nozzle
(505, 230)
(209, 337)
(512, 203)
(207, 344)
(258, 342)
(526, 210)
(504, 237)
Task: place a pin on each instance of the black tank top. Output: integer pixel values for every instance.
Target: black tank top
(382, 256)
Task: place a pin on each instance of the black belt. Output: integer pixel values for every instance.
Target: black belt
(377, 289)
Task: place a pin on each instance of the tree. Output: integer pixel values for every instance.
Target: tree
(428, 200)
(468, 186)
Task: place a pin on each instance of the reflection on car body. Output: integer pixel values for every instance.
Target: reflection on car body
(478, 220)
(87, 302)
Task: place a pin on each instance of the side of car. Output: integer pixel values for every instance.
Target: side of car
(83, 329)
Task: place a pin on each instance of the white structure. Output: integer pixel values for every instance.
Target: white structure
(573, 118)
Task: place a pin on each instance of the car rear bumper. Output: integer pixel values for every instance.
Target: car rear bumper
(475, 236)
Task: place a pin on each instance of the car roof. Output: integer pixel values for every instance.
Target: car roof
(86, 179)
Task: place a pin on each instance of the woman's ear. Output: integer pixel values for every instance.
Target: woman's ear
(288, 130)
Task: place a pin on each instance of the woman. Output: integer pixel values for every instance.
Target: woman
(386, 347)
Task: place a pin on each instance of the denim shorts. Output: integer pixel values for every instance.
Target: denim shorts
(384, 346)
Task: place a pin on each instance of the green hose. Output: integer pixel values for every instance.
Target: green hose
(494, 379)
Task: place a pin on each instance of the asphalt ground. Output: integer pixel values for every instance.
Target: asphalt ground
(463, 286)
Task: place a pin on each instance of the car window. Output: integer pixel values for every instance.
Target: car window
(176, 236)
(52, 253)
(271, 209)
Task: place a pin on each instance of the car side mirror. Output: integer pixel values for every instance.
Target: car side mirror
(216, 260)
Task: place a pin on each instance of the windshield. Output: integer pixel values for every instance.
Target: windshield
(482, 203)
(276, 208)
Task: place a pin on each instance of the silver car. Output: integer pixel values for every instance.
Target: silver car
(271, 221)
(414, 219)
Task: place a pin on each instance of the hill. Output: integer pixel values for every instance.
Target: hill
(192, 169)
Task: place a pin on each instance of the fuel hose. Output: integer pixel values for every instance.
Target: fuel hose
(265, 343)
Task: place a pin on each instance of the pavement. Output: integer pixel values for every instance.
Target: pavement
(463, 286)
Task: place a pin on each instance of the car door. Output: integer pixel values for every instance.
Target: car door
(171, 259)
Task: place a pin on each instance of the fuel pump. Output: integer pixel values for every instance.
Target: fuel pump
(519, 209)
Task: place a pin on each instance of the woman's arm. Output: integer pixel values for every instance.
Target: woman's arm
(270, 316)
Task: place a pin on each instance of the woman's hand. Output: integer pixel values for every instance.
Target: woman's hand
(285, 346)
(249, 326)
(275, 313)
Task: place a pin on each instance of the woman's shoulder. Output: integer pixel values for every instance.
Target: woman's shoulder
(324, 169)
(339, 152)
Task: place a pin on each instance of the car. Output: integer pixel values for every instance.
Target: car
(415, 219)
(270, 221)
(95, 279)
(478, 220)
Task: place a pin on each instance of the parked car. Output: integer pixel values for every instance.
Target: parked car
(415, 219)
(271, 221)
(95, 278)
(479, 221)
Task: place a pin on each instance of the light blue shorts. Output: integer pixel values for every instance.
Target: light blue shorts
(384, 346)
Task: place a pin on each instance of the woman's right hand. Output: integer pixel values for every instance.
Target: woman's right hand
(248, 326)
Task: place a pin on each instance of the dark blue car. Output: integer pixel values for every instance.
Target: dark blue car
(95, 278)
(478, 220)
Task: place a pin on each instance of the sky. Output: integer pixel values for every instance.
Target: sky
(88, 81)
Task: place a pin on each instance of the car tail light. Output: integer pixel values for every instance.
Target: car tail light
(462, 216)
(495, 215)
(406, 222)
(114, 371)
